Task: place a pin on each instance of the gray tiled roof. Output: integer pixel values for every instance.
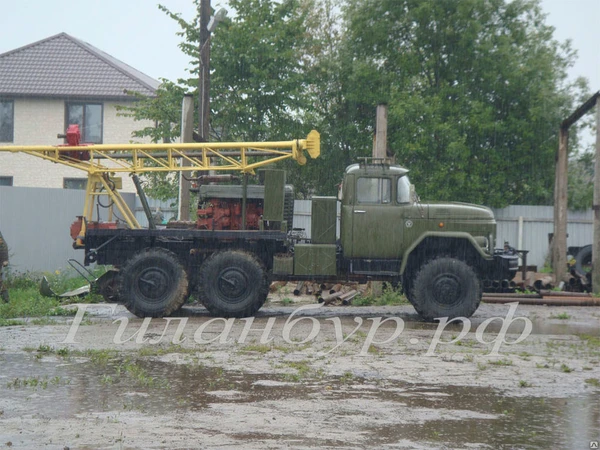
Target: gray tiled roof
(62, 65)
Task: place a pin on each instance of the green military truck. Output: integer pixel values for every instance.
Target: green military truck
(439, 252)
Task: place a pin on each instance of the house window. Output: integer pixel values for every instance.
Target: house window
(7, 120)
(74, 183)
(6, 181)
(89, 118)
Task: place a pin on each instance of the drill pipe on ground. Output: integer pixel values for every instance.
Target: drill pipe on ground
(556, 301)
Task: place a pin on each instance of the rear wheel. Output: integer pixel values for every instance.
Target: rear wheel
(233, 284)
(153, 283)
(446, 287)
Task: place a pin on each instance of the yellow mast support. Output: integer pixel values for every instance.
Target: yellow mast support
(147, 158)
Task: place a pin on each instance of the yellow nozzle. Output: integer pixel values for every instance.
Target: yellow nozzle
(313, 144)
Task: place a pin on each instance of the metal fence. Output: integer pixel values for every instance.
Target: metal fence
(36, 221)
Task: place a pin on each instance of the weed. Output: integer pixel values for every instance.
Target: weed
(566, 369)
(347, 377)
(260, 348)
(542, 366)
(43, 321)
(481, 366)
(373, 349)
(98, 357)
(390, 296)
(561, 316)
(501, 362)
(593, 382)
(64, 352)
(287, 301)
(524, 384)
(107, 380)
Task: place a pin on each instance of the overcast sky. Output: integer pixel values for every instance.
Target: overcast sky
(138, 33)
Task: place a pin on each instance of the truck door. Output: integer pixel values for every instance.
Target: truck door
(376, 220)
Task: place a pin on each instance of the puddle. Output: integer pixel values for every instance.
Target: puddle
(373, 411)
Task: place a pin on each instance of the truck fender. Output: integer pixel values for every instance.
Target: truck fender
(442, 235)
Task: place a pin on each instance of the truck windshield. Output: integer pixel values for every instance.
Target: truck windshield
(404, 190)
(373, 190)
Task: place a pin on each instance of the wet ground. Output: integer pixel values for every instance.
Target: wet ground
(199, 387)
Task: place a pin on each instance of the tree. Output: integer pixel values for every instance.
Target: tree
(476, 91)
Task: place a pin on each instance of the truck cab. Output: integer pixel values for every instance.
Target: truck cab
(433, 249)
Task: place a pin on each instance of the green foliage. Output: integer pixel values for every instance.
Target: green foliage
(581, 181)
(476, 92)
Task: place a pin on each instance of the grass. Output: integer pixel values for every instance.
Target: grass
(26, 300)
(389, 296)
(256, 348)
(593, 382)
(561, 316)
(10, 322)
(524, 384)
(501, 362)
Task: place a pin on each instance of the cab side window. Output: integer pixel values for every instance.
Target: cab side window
(403, 190)
(373, 190)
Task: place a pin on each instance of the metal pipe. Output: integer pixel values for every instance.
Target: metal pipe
(573, 301)
(563, 294)
(511, 295)
(144, 200)
(299, 287)
(244, 198)
(234, 153)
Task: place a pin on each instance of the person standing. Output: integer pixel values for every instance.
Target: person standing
(3, 265)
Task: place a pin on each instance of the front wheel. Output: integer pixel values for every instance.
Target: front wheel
(446, 287)
(153, 283)
(233, 284)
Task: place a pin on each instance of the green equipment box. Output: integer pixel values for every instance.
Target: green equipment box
(315, 259)
(323, 220)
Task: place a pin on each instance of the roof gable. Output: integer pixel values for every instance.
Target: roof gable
(63, 66)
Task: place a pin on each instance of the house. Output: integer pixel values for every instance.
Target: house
(58, 81)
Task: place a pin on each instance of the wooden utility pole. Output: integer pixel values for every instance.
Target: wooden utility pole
(596, 207)
(187, 132)
(204, 72)
(559, 240)
(380, 151)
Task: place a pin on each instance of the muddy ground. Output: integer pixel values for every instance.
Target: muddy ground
(63, 386)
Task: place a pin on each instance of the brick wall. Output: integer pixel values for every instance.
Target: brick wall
(37, 122)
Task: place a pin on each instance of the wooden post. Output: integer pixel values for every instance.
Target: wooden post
(559, 241)
(379, 151)
(187, 130)
(204, 74)
(596, 207)
(381, 132)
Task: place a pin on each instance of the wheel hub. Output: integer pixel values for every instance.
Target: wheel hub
(447, 288)
(153, 283)
(232, 283)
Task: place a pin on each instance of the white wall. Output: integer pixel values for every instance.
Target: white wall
(37, 122)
